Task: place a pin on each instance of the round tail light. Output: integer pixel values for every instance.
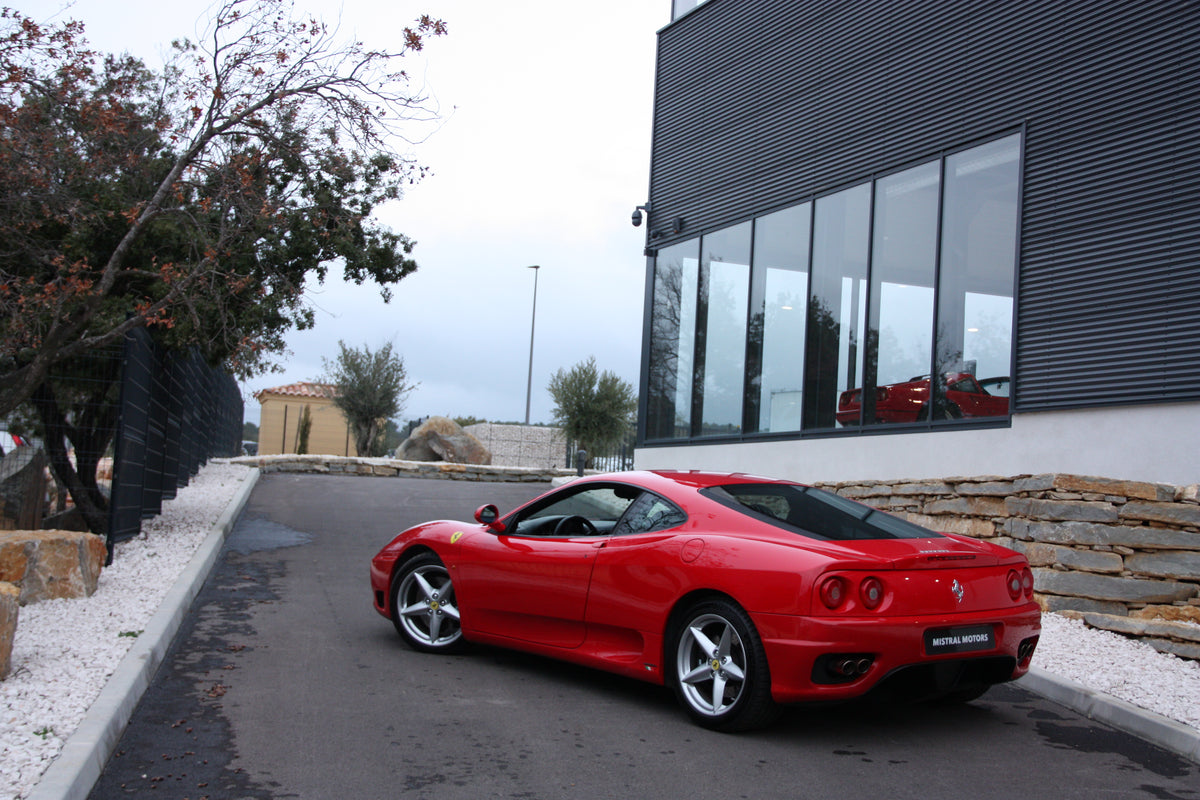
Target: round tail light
(1014, 584)
(871, 592)
(833, 592)
(1027, 582)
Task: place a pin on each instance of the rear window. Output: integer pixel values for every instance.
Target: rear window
(815, 513)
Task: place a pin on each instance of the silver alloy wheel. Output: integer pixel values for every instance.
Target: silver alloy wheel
(711, 665)
(426, 606)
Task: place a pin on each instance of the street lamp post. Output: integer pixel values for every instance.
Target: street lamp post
(532, 324)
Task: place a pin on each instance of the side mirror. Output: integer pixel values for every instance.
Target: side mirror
(489, 515)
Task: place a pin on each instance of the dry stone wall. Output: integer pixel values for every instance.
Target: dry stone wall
(394, 468)
(1122, 555)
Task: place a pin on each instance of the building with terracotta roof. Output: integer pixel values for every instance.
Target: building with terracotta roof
(282, 409)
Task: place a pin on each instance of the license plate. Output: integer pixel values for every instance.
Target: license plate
(939, 641)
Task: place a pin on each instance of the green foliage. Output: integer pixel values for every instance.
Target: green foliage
(200, 201)
(390, 437)
(249, 432)
(371, 388)
(594, 408)
(463, 422)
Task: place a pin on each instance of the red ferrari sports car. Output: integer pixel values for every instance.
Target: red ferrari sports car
(741, 593)
(909, 402)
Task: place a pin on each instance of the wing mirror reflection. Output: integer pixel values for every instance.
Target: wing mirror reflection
(489, 515)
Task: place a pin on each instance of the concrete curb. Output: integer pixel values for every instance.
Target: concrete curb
(1168, 734)
(73, 774)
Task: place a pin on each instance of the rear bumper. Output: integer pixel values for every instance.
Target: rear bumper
(894, 645)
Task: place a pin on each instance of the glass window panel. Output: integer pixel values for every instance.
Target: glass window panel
(978, 268)
(777, 322)
(903, 269)
(724, 297)
(672, 341)
(836, 313)
(681, 7)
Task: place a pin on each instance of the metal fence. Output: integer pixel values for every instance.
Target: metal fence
(618, 458)
(176, 412)
(127, 426)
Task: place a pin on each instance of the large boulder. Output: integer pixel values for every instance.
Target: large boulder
(10, 597)
(49, 565)
(442, 439)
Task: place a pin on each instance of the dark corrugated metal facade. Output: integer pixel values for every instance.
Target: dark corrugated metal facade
(763, 103)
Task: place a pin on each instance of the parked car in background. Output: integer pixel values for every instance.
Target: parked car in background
(740, 593)
(11, 441)
(965, 396)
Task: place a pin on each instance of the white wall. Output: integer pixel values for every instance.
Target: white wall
(1157, 443)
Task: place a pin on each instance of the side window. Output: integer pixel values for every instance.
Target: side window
(996, 387)
(650, 513)
(770, 504)
(602, 506)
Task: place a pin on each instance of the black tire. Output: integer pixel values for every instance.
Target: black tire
(718, 668)
(423, 606)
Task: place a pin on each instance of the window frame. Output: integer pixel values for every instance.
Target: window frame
(751, 404)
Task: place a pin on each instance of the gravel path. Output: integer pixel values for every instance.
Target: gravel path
(66, 650)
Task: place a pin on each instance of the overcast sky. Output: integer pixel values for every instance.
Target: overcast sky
(542, 154)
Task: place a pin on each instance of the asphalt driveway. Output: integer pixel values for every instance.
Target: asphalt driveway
(284, 682)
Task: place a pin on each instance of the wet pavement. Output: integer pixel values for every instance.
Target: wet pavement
(284, 682)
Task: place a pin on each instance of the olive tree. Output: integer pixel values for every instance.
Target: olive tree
(594, 408)
(371, 388)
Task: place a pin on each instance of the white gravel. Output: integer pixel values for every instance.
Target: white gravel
(65, 650)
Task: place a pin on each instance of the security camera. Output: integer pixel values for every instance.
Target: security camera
(637, 217)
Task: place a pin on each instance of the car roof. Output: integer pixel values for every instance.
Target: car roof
(693, 479)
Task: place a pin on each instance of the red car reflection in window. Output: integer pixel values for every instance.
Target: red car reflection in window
(909, 402)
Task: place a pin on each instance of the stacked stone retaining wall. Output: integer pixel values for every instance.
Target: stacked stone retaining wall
(393, 468)
(1123, 555)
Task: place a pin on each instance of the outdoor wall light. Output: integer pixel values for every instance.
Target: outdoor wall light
(676, 228)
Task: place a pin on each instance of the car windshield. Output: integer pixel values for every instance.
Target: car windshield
(815, 513)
